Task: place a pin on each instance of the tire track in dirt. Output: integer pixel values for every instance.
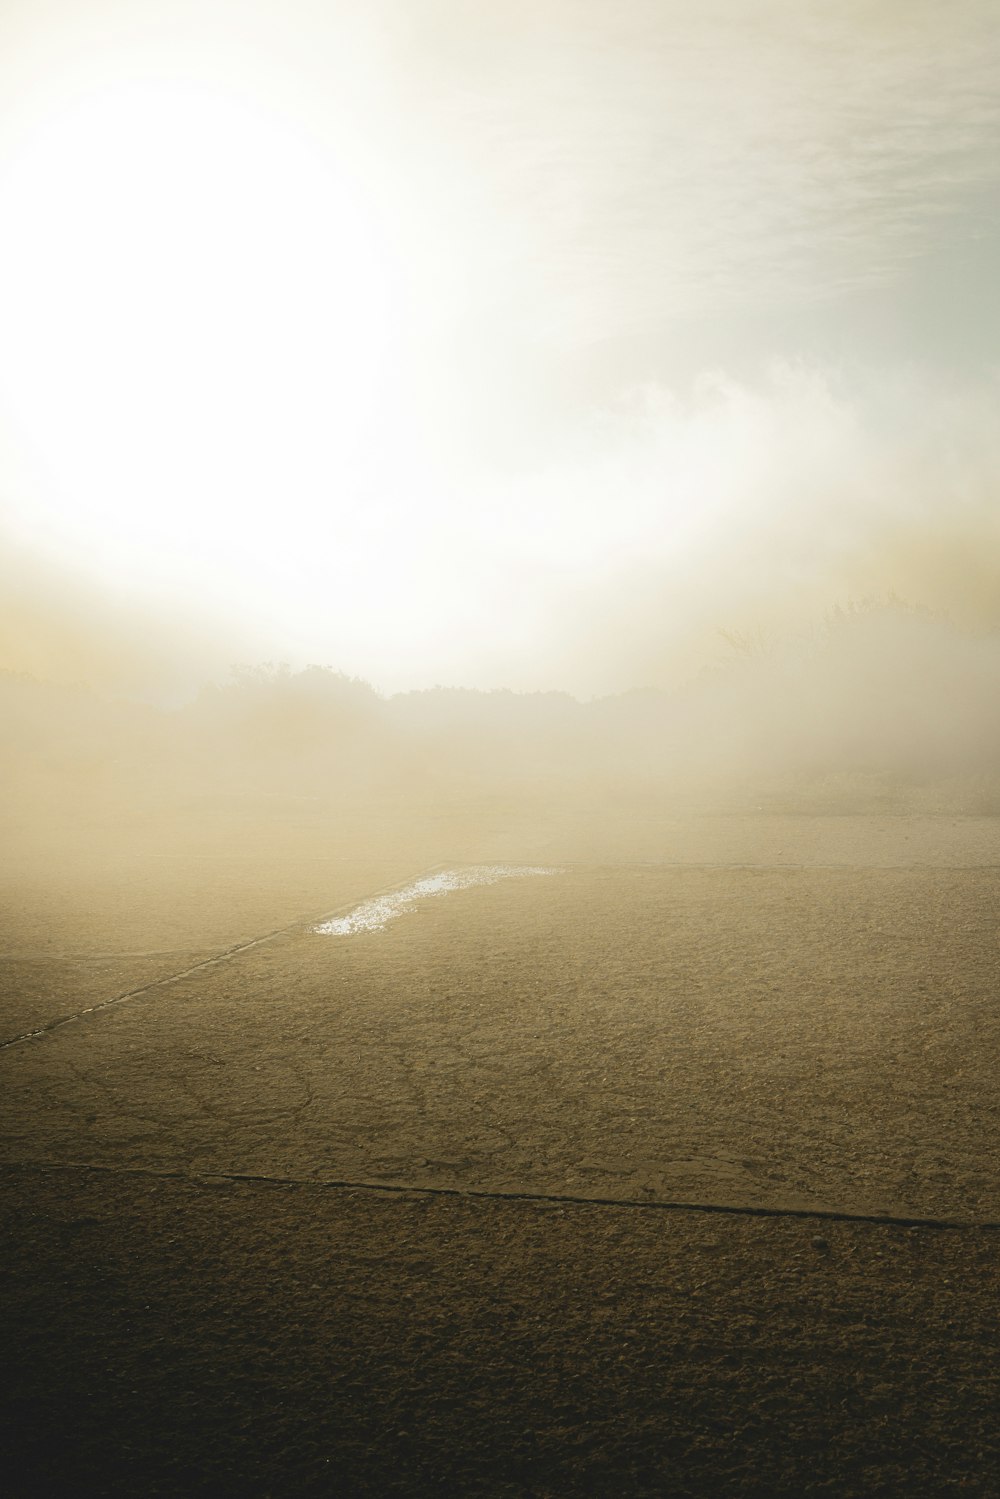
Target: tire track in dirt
(348, 906)
(397, 1189)
(211, 962)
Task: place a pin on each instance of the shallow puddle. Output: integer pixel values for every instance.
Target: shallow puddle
(374, 914)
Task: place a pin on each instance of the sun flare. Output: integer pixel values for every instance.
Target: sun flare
(199, 306)
(462, 344)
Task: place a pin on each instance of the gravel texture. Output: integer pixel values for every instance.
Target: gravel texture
(777, 1016)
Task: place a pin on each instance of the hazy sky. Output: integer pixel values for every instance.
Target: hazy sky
(511, 345)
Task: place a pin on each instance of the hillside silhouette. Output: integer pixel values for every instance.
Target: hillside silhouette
(885, 703)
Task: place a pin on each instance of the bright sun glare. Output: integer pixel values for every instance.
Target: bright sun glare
(452, 343)
(198, 322)
(220, 318)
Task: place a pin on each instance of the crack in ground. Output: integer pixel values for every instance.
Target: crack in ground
(348, 906)
(209, 1178)
(220, 957)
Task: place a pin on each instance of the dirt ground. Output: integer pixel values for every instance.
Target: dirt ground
(399, 1212)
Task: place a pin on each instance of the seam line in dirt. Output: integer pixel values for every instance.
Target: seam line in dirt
(241, 947)
(219, 957)
(399, 1189)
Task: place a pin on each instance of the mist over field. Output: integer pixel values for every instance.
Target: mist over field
(606, 402)
(784, 590)
(882, 705)
(499, 748)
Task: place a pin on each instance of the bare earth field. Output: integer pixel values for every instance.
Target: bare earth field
(673, 1172)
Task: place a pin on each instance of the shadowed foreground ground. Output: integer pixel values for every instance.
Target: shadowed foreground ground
(174, 1338)
(170, 1330)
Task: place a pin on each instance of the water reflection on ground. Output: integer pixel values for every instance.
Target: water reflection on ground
(374, 914)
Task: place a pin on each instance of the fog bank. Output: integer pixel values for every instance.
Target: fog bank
(881, 705)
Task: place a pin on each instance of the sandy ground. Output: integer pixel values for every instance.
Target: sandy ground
(777, 1015)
